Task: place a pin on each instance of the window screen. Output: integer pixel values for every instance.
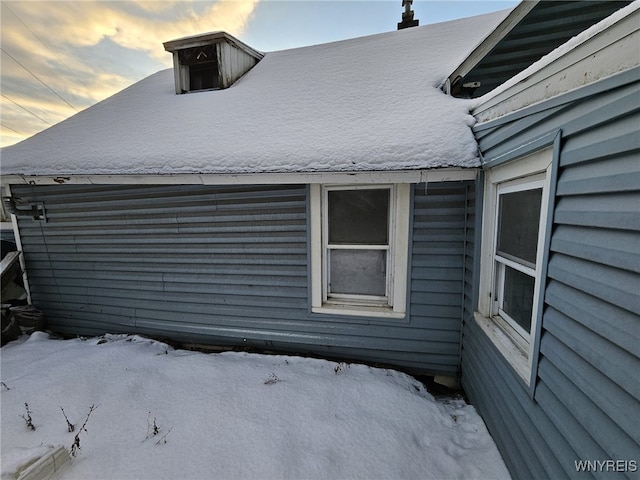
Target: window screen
(358, 272)
(359, 217)
(519, 220)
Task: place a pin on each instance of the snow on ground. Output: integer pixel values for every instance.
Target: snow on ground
(229, 415)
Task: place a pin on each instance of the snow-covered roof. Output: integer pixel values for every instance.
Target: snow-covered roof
(367, 104)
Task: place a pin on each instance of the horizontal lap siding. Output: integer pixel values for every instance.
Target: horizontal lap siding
(443, 223)
(193, 263)
(229, 266)
(587, 400)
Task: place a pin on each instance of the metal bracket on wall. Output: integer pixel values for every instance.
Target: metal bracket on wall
(25, 208)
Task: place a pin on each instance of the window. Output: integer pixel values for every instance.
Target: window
(360, 249)
(203, 76)
(514, 219)
(518, 228)
(199, 68)
(356, 244)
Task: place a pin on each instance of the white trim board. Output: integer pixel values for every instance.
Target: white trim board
(399, 264)
(527, 169)
(412, 176)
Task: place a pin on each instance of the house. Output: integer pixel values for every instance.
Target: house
(333, 200)
(322, 203)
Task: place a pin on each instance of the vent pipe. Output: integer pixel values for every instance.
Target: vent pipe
(407, 16)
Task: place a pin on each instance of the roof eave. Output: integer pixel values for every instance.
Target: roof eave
(207, 38)
(502, 30)
(444, 174)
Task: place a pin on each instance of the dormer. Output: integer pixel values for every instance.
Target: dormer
(210, 61)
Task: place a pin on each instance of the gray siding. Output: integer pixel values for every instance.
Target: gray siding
(586, 402)
(442, 239)
(166, 260)
(229, 266)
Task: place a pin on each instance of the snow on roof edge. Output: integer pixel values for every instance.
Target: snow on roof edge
(357, 121)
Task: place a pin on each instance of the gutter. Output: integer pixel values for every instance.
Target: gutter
(403, 176)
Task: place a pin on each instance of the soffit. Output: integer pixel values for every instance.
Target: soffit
(545, 26)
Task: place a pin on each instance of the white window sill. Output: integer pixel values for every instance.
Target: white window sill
(515, 352)
(358, 310)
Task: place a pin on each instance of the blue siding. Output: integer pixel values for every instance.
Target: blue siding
(443, 229)
(586, 402)
(228, 266)
(160, 260)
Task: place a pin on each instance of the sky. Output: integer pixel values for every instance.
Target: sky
(58, 58)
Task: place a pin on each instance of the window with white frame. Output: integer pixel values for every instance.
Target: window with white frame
(516, 247)
(514, 219)
(360, 249)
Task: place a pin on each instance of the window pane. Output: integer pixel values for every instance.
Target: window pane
(358, 272)
(359, 217)
(204, 76)
(518, 222)
(518, 296)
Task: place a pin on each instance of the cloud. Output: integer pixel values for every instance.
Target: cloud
(231, 16)
(86, 51)
(144, 26)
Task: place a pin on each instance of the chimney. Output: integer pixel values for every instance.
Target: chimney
(407, 16)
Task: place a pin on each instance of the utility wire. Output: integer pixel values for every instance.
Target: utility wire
(4, 4)
(25, 109)
(36, 77)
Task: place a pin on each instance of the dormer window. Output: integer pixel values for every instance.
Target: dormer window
(210, 61)
(201, 65)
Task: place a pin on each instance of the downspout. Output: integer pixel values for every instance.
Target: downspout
(465, 243)
(23, 264)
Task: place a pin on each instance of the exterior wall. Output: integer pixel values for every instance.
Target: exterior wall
(228, 265)
(442, 237)
(234, 63)
(585, 403)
